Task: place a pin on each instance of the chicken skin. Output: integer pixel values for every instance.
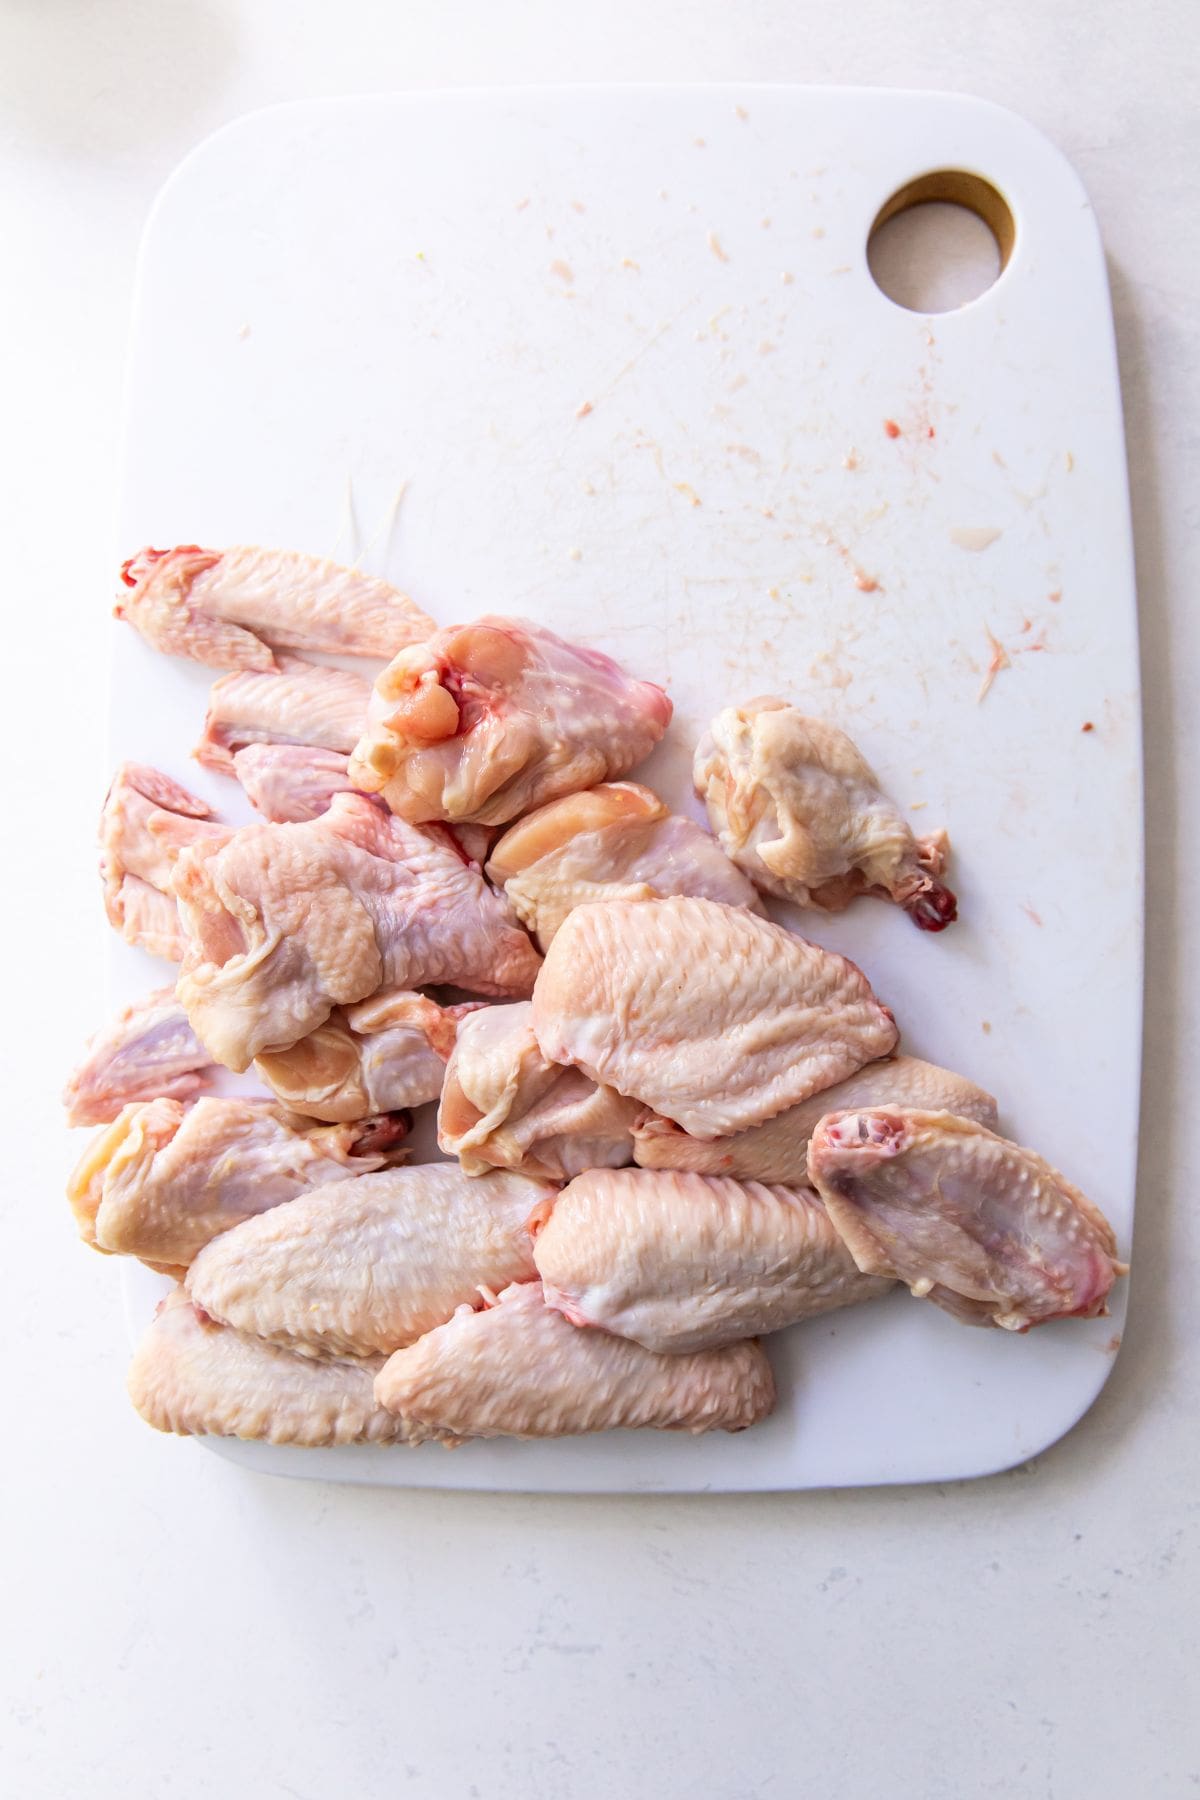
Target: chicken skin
(518, 1369)
(485, 721)
(504, 1106)
(710, 1016)
(291, 783)
(613, 842)
(164, 1178)
(980, 1226)
(295, 704)
(800, 811)
(778, 1150)
(285, 922)
(196, 1378)
(386, 1053)
(369, 1265)
(148, 1051)
(683, 1262)
(233, 608)
(147, 819)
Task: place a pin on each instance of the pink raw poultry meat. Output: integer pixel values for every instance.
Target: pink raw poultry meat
(164, 1178)
(148, 1051)
(980, 1226)
(232, 608)
(368, 1265)
(146, 820)
(613, 842)
(505, 1107)
(486, 720)
(778, 1150)
(197, 1378)
(713, 1017)
(291, 783)
(285, 922)
(799, 809)
(686, 1262)
(518, 1369)
(382, 1055)
(297, 703)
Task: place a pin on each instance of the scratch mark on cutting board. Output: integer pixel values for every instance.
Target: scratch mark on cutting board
(606, 390)
(383, 533)
(348, 532)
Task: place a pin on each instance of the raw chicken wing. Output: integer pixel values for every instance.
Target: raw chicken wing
(983, 1228)
(519, 1369)
(504, 1106)
(148, 1051)
(286, 922)
(386, 1053)
(798, 808)
(368, 1265)
(146, 820)
(164, 1178)
(297, 703)
(778, 1150)
(232, 608)
(291, 783)
(712, 1017)
(687, 1262)
(613, 842)
(196, 1378)
(486, 720)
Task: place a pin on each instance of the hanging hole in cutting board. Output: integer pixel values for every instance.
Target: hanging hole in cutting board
(940, 241)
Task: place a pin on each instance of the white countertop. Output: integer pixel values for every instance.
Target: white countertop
(175, 1626)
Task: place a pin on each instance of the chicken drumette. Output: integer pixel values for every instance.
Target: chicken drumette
(504, 1106)
(487, 720)
(164, 1179)
(613, 842)
(384, 1054)
(801, 812)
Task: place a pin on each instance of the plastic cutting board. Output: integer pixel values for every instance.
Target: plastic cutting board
(613, 359)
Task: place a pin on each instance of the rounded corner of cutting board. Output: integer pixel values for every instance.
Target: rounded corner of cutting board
(1053, 1434)
(217, 144)
(1037, 146)
(1030, 162)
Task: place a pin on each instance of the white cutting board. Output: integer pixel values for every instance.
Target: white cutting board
(341, 300)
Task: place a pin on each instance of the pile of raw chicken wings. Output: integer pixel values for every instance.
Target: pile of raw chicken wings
(673, 1126)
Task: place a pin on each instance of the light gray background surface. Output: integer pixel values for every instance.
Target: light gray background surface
(174, 1626)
